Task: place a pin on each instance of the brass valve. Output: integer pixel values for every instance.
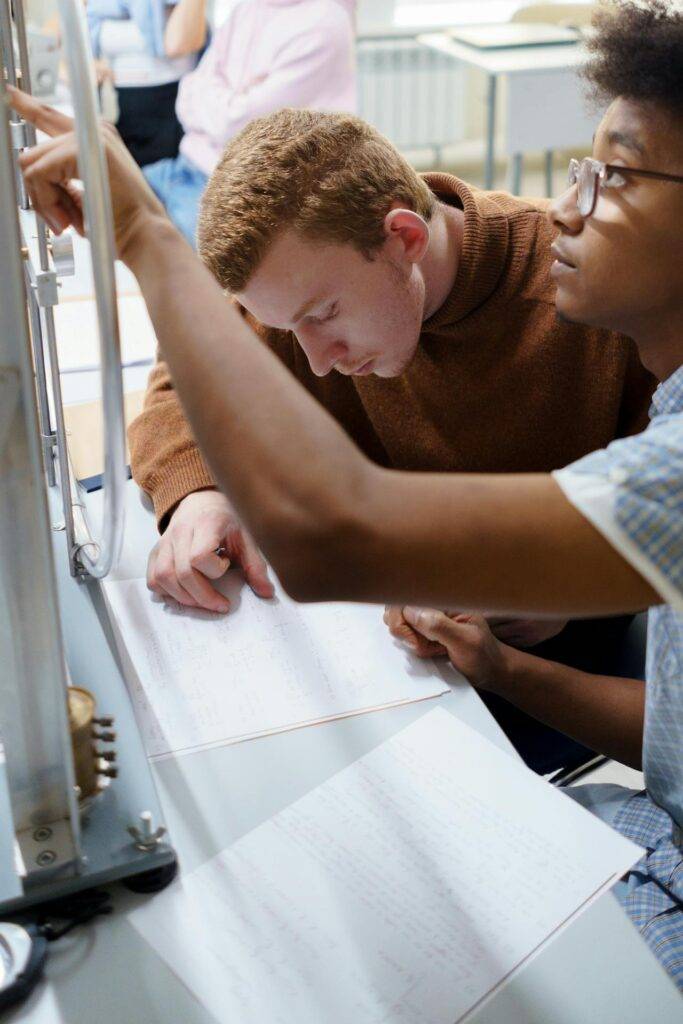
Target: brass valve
(91, 765)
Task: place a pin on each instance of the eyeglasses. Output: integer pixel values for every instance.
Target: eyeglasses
(592, 175)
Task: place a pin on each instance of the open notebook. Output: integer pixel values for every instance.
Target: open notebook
(198, 679)
(406, 888)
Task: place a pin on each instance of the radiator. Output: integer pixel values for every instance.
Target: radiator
(411, 93)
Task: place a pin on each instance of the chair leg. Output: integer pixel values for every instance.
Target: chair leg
(549, 172)
(489, 167)
(516, 168)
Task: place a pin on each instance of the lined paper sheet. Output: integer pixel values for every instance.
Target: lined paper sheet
(78, 334)
(198, 679)
(85, 431)
(406, 888)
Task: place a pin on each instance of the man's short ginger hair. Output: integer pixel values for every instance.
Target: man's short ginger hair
(330, 177)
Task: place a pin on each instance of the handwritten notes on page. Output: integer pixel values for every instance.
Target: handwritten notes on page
(198, 679)
(406, 888)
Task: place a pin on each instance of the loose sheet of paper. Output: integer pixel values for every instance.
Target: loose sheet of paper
(78, 333)
(406, 888)
(198, 679)
(85, 432)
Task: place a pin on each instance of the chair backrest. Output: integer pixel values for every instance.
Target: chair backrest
(556, 14)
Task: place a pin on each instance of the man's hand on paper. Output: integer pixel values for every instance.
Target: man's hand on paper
(50, 172)
(520, 633)
(466, 639)
(185, 559)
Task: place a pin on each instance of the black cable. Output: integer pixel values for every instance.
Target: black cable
(75, 910)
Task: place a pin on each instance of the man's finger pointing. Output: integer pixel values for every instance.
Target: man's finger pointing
(45, 119)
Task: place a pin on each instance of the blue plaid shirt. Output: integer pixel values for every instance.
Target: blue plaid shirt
(632, 492)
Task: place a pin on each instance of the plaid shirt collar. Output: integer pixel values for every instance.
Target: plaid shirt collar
(668, 398)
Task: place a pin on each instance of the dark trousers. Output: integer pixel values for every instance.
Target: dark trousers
(147, 122)
(591, 645)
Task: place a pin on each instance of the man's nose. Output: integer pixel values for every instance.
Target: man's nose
(322, 354)
(563, 213)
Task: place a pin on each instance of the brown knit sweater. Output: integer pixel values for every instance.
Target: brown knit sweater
(498, 384)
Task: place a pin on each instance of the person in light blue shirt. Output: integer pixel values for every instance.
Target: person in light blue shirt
(633, 494)
(613, 268)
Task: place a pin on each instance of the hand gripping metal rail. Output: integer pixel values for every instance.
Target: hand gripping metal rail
(87, 557)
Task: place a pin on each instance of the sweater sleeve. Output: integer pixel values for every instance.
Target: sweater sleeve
(165, 459)
(631, 492)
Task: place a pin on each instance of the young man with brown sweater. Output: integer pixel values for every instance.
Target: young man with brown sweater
(419, 311)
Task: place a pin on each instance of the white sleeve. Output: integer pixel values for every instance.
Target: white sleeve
(594, 496)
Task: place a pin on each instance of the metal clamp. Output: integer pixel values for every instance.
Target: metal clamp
(46, 288)
(62, 251)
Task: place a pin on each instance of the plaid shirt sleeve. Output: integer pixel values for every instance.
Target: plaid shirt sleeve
(632, 492)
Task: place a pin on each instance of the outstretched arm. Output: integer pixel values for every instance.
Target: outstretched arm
(333, 524)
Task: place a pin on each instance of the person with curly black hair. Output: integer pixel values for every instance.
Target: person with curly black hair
(637, 54)
(602, 536)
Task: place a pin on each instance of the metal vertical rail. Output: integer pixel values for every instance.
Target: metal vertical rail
(24, 78)
(46, 435)
(86, 556)
(9, 64)
(33, 708)
(62, 444)
(7, 42)
(22, 42)
(99, 221)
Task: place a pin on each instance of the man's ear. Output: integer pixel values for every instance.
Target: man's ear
(408, 232)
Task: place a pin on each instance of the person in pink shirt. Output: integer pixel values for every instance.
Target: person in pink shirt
(268, 54)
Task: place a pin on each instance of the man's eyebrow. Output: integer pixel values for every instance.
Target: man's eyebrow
(303, 310)
(616, 138)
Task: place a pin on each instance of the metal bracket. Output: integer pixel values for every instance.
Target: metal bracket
(46, 849)
(46, 288)
(62, 251)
